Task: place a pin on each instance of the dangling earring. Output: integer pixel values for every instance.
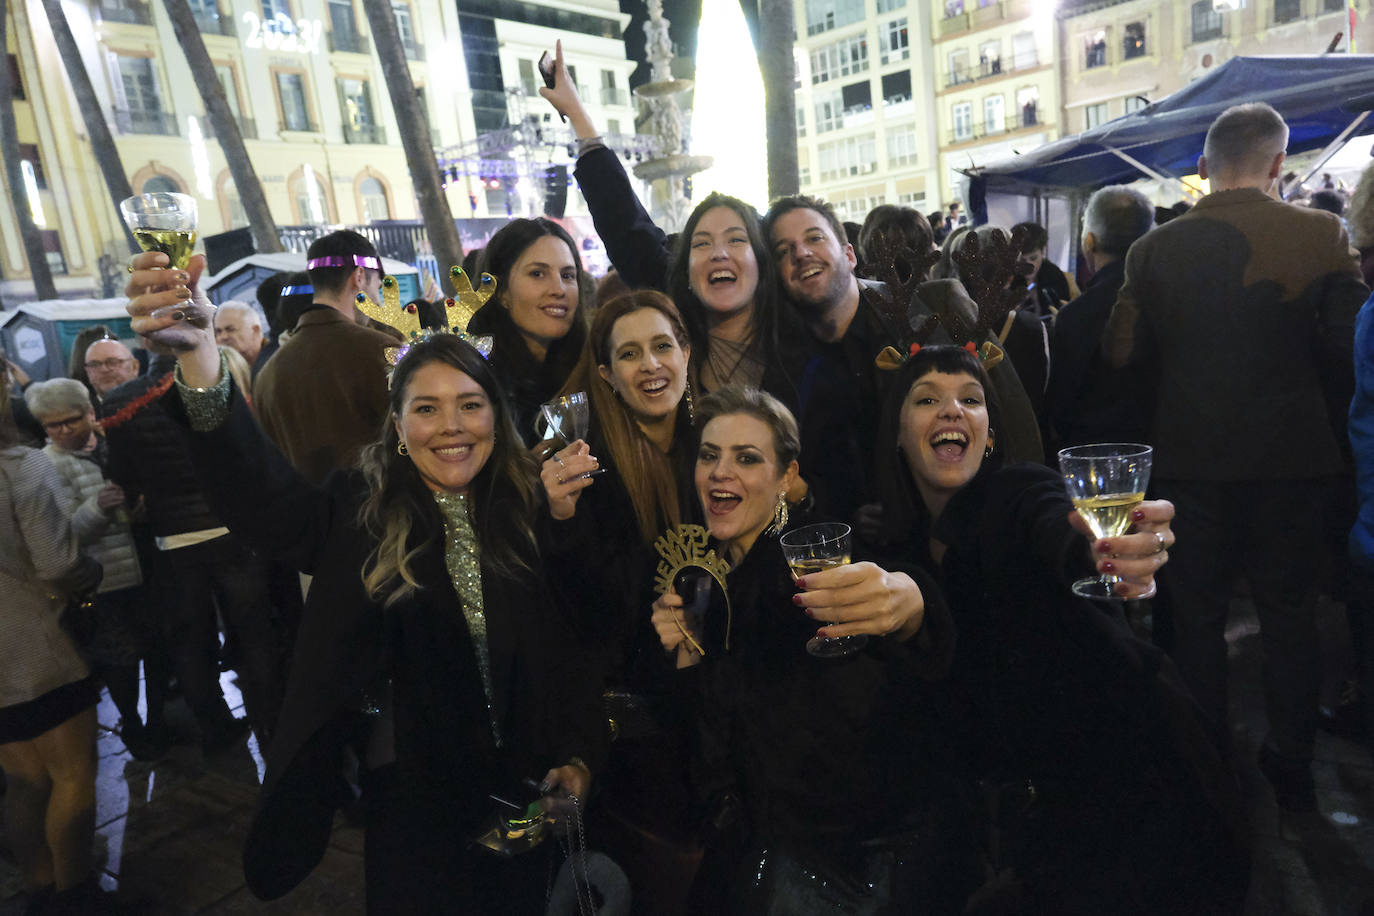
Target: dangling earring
(987, 450)
(401, 449)
(779, 515)
(691, 408)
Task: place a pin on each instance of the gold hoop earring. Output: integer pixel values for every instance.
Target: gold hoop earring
(779, 515)
(691, 408)
(401, 449)
(987, 450)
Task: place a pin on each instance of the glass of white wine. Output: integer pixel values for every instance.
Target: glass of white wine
(810, 550)
(1106, 482)
(163, 222)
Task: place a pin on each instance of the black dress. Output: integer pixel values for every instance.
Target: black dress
(435, 798)
(818, 775)
(1112, 798)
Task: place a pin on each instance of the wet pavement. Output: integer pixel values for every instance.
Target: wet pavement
(170, 834)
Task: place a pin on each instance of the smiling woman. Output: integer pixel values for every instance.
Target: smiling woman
(535, 316)
(430, 629)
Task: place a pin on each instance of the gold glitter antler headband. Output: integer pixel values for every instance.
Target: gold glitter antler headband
(680, 548)
(406, 318)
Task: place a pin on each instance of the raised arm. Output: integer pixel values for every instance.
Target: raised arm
(638, 249)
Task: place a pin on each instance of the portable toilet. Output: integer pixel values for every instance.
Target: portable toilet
(38, 336)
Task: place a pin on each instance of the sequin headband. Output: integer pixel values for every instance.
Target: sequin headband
(306, 290)
(335, 260)
(406, 318)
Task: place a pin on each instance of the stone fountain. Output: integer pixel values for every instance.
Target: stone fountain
(673, 163)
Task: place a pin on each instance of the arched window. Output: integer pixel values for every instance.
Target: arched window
(374, 200)
(308, 194)
(160, 183)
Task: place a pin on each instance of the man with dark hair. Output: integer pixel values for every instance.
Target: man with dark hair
(1088, 402)
(840, 392)
(322, 397)
(1047, 283)
(1330, 201)
(1244, 308)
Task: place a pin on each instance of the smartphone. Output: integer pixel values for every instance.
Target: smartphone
(546, 70)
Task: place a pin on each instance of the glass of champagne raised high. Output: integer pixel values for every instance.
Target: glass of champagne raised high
(166, 222)
(1106, 482)
(810, 550)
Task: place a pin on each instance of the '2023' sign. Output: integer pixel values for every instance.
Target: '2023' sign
(281, 34)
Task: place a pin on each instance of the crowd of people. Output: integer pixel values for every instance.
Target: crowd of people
(463, 623)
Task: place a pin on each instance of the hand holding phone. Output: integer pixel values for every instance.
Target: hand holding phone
(550, 74)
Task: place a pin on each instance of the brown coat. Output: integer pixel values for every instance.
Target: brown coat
(323, 395)
(1242, 312)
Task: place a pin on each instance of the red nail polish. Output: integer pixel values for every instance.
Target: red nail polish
(1104, 547)
(1108, 566)
(800, 583)
(1138, 515)
(797, 600)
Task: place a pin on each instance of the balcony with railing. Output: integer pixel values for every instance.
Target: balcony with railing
(990, 69)
(130, 12)
(980, 130)
(141, 121)
(614, 95)
(364, 133)
(248, 128)
(971, 15)
(214, 23)
(348, 41)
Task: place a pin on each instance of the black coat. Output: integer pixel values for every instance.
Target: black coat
(546, 704)
(824, 753)
(1135, 813)
(1088, 401)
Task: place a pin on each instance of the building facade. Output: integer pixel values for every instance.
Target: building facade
(996, 82)
(303, 80)
(1120, 56)
(865, 132)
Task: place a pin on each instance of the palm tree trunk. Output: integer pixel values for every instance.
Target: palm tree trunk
(97, 128)
(776, 65)
(415, 137)
(14, 176)
(226, 128)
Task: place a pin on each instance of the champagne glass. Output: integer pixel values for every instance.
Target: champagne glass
(566, 417)
(810, 550)
(163, 222)
(1106, 482)
(166, 222)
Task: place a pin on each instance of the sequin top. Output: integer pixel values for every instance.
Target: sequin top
(460, 555)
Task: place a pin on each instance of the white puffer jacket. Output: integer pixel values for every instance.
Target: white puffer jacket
(102, 536)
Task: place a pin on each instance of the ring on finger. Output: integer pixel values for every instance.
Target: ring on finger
(557, 458)
(1159, 542)
(559, 478)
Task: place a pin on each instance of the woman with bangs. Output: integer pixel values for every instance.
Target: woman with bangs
(611, 497)
(719, 273)
(535, 316)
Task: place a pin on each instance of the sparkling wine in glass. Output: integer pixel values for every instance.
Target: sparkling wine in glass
(163, 222)
(565, 417)
(810, 550)
(166, 222)
(1106, 482)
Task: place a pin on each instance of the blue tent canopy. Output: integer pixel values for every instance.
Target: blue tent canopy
(1166, 137)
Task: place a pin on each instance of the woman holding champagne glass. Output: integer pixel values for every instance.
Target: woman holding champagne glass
(817, 796)
(431, 636)
(1107, 795)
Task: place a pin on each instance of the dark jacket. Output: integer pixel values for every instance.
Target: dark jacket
(1053, 691)
(823, 753)
(547, 707)
(149, 459)
(323, 395)
(1245, 307)
(526, 381)
(1089, 401)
